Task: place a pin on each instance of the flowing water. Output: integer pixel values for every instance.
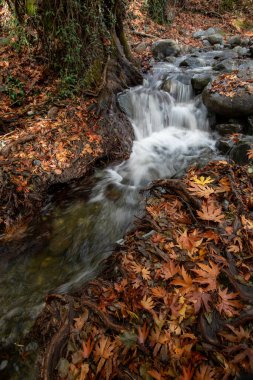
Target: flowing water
(171, 132)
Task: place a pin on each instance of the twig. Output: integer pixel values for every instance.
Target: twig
(143, 34)
(22, 140)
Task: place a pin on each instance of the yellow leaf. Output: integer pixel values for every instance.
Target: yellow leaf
(202, 180)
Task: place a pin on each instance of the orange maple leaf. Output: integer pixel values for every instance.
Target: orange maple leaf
(207, 275)
(168, 270)
(205, 372)
(87, 348)
(200, 190)
(189, 241)
(211, 212)
(238, 334)
(228, 304)
(143, 333)
(186, 282)
(147, 303)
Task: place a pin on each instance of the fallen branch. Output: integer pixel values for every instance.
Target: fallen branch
(22, 140)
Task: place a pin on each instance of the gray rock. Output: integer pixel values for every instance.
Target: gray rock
(239, 151)
(192, 62)
(200, 81)
(224, 145)
(125, 103)
(218, 46)
(245, 41)
(228, 54)
(199, 33)
(36, 162)
(165, 48)
(206, 43)
(229, 128)
(141, 47)
(234, 41)
(247, 65)
(250, 125)
(241, 51)
(227, 65)
(240, 104)
(215, 39)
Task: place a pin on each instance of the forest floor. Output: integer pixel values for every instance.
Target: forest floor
(49, 136)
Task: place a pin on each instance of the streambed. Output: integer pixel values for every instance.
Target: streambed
(171, 132)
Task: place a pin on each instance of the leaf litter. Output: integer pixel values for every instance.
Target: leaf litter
(177, 304)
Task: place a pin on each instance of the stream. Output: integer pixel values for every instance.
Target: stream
(171, 132)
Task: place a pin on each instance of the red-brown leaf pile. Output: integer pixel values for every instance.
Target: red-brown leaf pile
(176, 301)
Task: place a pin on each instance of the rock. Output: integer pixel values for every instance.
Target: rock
(239, 151)
(141, 47)
(241, 51)
(200, 81)
(36, 162)
(250, 125)
(218, 46)
(165, 48)
(241, 103)
(251, 51)
(192, 62)
(215, 39)
(125, 103)
(229, 128)
(245, 41)
(199, 33)
(224, 145)
(234, 41)
(206, 43)
(202, 34)
(228, 54)
(247, 65)
(227, 65)
(52, 113)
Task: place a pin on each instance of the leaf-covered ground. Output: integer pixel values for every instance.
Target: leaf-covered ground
(176, 300)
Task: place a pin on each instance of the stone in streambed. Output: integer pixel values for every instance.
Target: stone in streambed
(200, 81)
(227, 65)
(192, 62)
(165, 48)
(215, 39)
(229, 128)
(234, 41)
(230, 95)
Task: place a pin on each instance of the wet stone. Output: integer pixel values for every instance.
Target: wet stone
(215, 39)
(200, 81)
(228, 129)
(234, 41)
(165, 48)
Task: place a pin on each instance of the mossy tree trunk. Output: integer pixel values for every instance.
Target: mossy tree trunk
(157, 10)
(84, 40)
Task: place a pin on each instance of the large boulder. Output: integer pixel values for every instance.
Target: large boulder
(192, 62)
(200, 81)
(226, 65)
(162, 49)
(230, 95)
(235, 41)
(216, 38)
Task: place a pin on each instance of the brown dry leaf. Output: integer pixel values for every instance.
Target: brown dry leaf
(147, 303)
(84, 371)
(199, 299)
(200, 191)
(205, 372)
(87, 348)
(228, 304)
(211, 212)
(224, 186)
(250, 154)
(189, 241)
(168, 270)
(186, 282)
(159, 292)
(103, 351)
(237, 336)
(143, 333)
(156, 375)
(207, 275)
